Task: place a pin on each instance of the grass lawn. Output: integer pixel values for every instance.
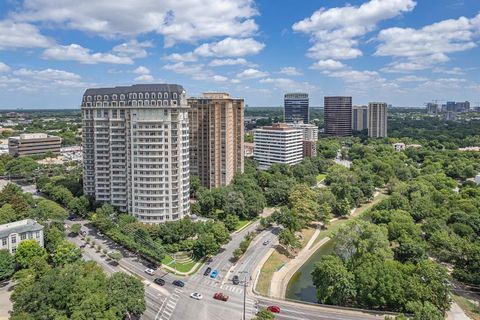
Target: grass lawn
(241, 224)
(321, 177)
(468, 307)
(182, 267)
(307, 233)
(273, 263)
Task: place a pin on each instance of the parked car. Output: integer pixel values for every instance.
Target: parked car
(214, 274)
(266, 242)
(150, 271)
(207, 271)
(159, 281)
(179, 283)
(220, 296)
(235, 279)
(196, 296)
(274, 309)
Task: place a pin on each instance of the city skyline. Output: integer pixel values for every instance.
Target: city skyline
(372, 50)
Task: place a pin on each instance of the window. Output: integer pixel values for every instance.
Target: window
(147, 96)
(134, 96)
(154, 102)
(122, 97)
(114, 97)
(105, 97)
(4, 242)
(99, 97)
(174, 95)
(23, 236)
(89, 98)
(159, 103)
(37, 234)
(153, 95)
(14, 239)
(140, 96)
(165, 102)
(165, 95)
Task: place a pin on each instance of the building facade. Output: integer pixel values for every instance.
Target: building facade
(296, 108)
(136, 150)
(338, 116)
(359, 118)
(278, 143)
(377, 120)
(33, 143)
(216, 138)
(310, 138)
(11, 234)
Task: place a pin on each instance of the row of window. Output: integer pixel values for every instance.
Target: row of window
(131, 95)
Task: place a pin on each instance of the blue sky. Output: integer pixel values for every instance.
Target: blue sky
(404, 52)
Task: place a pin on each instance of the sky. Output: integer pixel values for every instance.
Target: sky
(403, 52)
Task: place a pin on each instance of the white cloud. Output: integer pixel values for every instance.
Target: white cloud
(47, 74)
(133, 49)
(227, 62)
(328, 64)
(411, 79)
(46, 79)
(334, 32)
(286, 84)
(186, 20)
(21, 35)
(141, 70)
(182, 57)
(230, 47)
(352, 76)
(4, 67)
(144, 78)
(182, 68)
(444, 84)
(453, 71)
(418, 49)
(80, 54)
(219, 78)
(251, 74)
(291, 71)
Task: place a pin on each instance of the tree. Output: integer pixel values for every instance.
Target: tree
(49, 210)
(7, 214)
(53, 237)
(65, 253)
(424, 311)
(7, 264)
(237, 253)
(205, 245)
(264, 315)
(288, 239)
(126, 295)
(79, 206)
(220, 232)
(231, 222)
(28, 251)
(334, 283)
(75, 229)
(195, 185)
(115, 255)
(234, 204)
(341, 208)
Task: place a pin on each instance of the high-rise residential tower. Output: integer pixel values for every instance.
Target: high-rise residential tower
(296, 107)
(377, 119)
(278, 143)
(359, 118)
(216, 138)
(136, 149)
(338, 116)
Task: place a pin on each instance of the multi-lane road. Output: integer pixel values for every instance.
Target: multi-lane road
(169, 302)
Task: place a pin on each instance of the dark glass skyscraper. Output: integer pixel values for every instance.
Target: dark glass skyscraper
(338, 116)
(296, 107)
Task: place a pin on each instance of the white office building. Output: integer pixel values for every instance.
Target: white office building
(11, 234)
(310, 131)
(136, 150)
(278, 143)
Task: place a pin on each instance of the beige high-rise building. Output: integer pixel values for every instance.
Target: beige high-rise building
(216, 138)
(377, 119)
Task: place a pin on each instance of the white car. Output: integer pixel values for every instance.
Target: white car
(150, 271)
(196, 296)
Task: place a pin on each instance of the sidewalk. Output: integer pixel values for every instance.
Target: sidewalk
(456, 313)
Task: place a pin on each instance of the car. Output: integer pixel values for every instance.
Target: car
(214, 274)
(196, 296)
(159, 281)
(220, 296)
(150, 271)
(266, 242)
(207, 271)
(235, 279)
(179, 283)
(274, 309)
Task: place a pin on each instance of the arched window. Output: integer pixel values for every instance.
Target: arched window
(140, 95)
(122, 97)
(165, 95)
(89, 98)
(147, 96)
(105, 97)
(114, 97)
(159, 103)
(165, 102)
(175, 95)
(99, 97)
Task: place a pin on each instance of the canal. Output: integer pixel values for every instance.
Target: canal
(301, 286)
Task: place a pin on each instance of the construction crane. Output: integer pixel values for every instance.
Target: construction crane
(435, 102)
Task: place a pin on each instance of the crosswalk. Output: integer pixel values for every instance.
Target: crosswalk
(170, 305)
(217, 283)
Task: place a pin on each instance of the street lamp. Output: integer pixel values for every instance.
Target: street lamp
(244, 293)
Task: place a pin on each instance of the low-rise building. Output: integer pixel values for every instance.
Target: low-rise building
(249, 147)
(399, 146)
(477, 179)
(34, 143)
(11, 234)
(278, 143)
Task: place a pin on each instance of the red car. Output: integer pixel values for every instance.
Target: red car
(274, 309)
(220, 296)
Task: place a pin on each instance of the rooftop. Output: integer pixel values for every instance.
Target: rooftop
(19, 227)
(152, 87)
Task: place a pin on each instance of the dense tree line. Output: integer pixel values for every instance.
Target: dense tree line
(390, 260)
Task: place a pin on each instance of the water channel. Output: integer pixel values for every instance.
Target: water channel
(301, 286)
